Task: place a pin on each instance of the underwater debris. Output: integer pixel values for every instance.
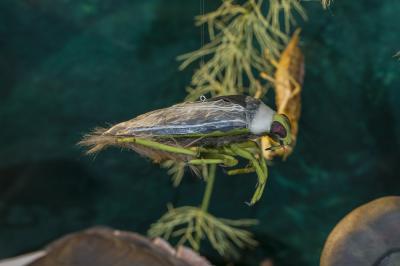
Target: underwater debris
(239, 33)
(288, 81)
(191, 224)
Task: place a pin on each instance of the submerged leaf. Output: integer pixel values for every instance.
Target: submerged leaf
(190, 224)
(176, 169)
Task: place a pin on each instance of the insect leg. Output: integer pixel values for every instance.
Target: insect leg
(250, 146)
(259, 168)
(205, 161)
(240, 171)
(224, 159)
(297, 87)
(157, 146)
(265, 76)
(296, 91)
(247, 144)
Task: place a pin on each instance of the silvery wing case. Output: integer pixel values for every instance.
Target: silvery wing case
(222, 114)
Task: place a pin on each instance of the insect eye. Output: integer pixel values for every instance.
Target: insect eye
(286, 118)
(278, 129)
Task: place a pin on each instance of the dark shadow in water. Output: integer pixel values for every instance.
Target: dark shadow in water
(39, 195)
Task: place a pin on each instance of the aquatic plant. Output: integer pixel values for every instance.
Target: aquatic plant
(193, 224)
(176, 170)
(230, 63)
(238, 36)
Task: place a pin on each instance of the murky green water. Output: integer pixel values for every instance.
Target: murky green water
(67, 66)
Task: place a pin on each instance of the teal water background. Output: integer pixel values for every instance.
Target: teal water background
(68, 66)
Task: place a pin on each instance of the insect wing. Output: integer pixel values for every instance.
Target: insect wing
(186, 119)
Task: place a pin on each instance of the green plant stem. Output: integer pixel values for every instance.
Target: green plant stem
(205, 202)
(209, 188)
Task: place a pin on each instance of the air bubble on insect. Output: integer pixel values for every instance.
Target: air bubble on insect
(203, 98)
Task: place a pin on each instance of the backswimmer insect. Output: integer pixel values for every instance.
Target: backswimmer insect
(211, 131)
